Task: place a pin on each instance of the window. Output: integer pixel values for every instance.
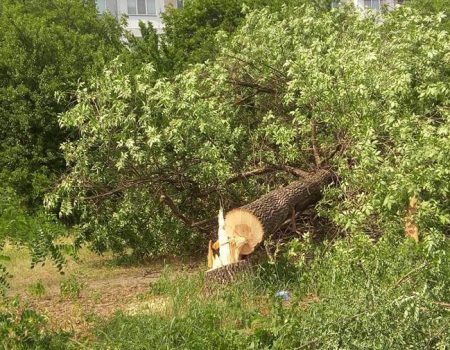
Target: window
(179, 4)
(101, 5)
(151, 7)
(372, 4)
(141, 7)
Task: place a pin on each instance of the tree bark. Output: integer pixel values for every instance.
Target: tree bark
(273, 208)
(263, 216)
(228, 273)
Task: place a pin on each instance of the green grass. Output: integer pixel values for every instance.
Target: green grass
(71, 287)
(37, 289)
(355, 295)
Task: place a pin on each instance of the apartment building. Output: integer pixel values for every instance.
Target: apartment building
(138, 10)
(372, 4)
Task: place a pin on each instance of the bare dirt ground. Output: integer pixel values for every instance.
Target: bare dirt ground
(98, 298)
(105, 288)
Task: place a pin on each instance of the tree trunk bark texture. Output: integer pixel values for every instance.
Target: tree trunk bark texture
(228, 273)
(263, 216)
(273, 208)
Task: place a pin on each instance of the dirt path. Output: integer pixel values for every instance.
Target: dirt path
(104, 287)
(96, 287)
(100, 297)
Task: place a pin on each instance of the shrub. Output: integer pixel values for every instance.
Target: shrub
(22, 328)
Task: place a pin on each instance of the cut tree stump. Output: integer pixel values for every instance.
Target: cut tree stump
(228, 273)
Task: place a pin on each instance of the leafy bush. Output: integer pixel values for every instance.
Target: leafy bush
(47, 47)
(22, 328)
(158, 156)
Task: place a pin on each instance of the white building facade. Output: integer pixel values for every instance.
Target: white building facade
(373, 4)
(138, 10)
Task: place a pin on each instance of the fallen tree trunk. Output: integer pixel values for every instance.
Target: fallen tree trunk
(266, 214)
(243, 228)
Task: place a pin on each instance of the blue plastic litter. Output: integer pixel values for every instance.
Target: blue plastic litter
(283, 294)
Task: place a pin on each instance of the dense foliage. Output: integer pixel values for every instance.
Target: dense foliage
(236, 98)
(190, 33)
(47, 47)
(297, 88)
(22, 328)
(431, 6)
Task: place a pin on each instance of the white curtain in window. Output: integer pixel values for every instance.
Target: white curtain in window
(376, 4)
(372, 4)
(141, 7)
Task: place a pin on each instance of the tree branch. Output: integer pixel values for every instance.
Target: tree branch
(260, 171)
(200, 223)
(411, 272)
(247, 174)
(164, 198)
(294, 171)
(119, 189)
(278, 72)
(256, 86)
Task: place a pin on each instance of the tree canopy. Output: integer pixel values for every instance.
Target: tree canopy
(47, 47)
(189, 35)
(291, 91)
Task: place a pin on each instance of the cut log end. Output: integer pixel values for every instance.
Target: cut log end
(242, 223)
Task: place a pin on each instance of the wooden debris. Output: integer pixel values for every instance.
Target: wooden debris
(411, 229)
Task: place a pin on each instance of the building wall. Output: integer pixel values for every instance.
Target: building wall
(133, 20)
(375, 3)
(111, 6)
(118, 8)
